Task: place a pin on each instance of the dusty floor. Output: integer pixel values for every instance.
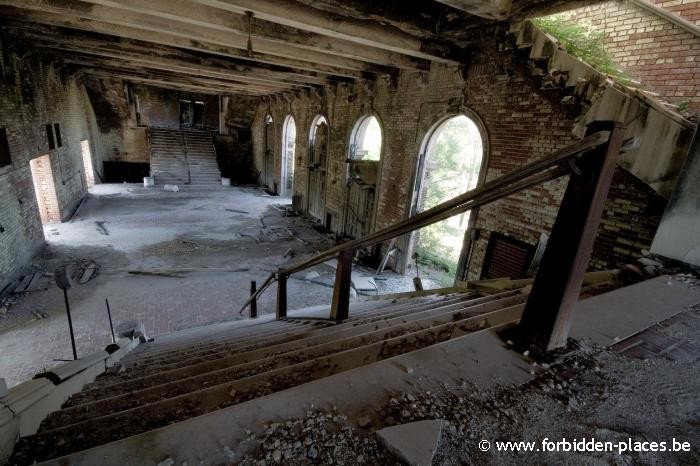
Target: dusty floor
(588, 393)
(209, 244)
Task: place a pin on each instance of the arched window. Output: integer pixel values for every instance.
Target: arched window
(366, 139)
(317, 165)
(289, 138)
(452, 156)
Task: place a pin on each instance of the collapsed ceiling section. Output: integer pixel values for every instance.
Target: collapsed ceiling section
(253, 47)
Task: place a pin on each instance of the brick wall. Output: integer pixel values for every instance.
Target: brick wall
(663, 56)
(32, 95)
(521, 122)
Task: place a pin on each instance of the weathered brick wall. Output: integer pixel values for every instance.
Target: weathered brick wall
(33, 94)
(522, 123)
(161, 107)
(662, 55)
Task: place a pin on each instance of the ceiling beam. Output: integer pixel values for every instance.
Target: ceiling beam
(80, 12)
(367, 33)
(147, 59)
(119, 69)
(16, 12)
(489, 9)
(166, 83)
(263, 33)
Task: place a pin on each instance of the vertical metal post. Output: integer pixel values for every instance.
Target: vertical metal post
(340, 308)
(547, 316)
(281, 296)
(254, 301)
(70, 324)
(109, 315)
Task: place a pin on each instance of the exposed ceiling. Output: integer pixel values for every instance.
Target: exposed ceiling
(253, 47)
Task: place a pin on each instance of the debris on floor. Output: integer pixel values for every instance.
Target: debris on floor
(173, 188)
(414, 443)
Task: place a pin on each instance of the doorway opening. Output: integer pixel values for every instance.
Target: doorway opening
(45, 189)
(268, 155)
(450, 164)
(364, 155)
(318, 163)
(87, 163)
(289, 139)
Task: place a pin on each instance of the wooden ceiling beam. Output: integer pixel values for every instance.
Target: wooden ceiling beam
(265, 35)
(488, 9)
(149, 61)
(79, 13)
(118, 68)
(166, 83)
(360, 31)
(15, 12)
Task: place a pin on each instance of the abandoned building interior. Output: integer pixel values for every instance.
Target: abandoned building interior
(349, 232)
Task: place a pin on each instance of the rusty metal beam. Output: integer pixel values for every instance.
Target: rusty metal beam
(547, 317)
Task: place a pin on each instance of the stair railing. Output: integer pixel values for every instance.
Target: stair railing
(590, 163)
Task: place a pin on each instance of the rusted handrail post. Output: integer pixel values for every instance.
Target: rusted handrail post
(281, 296)
(548, 314)
(340, 308)
(254, 300)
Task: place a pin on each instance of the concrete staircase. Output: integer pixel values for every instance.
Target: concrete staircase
(199, 371)
(183, 158)
(201, 156)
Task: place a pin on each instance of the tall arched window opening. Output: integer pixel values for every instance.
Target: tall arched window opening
(450, 164)
(289, 138)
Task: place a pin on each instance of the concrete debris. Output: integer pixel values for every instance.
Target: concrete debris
(88, 273)
(167, 462)
(364, 284)
(173, 188)
(364, 422)
(415, 443)
(318, 438)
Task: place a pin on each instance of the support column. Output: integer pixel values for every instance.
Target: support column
(547, 316)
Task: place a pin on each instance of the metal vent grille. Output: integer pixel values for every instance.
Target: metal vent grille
(506, 257)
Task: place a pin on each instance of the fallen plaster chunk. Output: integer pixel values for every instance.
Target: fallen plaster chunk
(414, 443)
(172, 188)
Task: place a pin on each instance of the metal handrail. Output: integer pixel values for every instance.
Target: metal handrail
(531, 174)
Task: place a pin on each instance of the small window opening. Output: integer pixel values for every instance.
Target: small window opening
(5, 158)
(49, 136)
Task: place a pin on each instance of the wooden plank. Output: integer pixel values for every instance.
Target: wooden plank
(549, 311)
(24, 283)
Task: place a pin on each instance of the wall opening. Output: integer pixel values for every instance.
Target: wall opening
(269, 158)
(450, 164)
(317, 166)
(87, 163)
(5, 155)
(289, 138)
(366, 140)
(364, 155)
(45, 190)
